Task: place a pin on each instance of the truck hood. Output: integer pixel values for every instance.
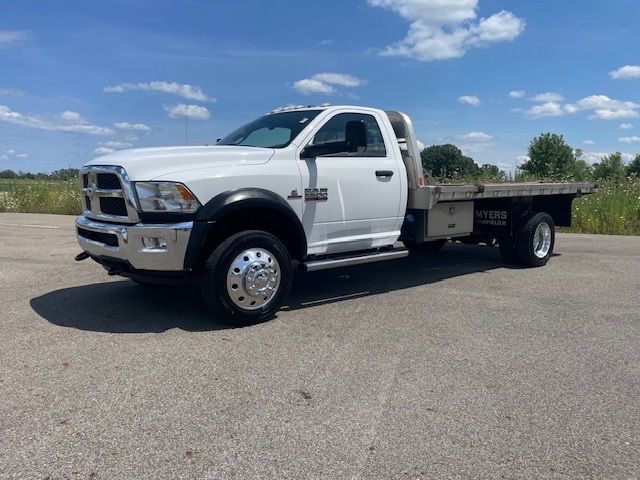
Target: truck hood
(152, 163)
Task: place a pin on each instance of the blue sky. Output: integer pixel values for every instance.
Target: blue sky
(78, 78)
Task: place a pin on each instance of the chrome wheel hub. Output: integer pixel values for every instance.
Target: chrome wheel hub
(542, 240)
(253, 278)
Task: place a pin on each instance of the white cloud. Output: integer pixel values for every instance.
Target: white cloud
(625, 126)
(517, 93)
(69, 116)
(341, 79)
(588, 142)
(547, 97)
(548, 109)
(605, 108)
(141, 127)
(595, 157)
(325, 83)
(627, 72)
(103, 150)
(476, 137)
(12, 152)
(520, 159)
(421, 145)
(65, 122)
(607, 114)
(192, 112)
(183, 90)
(447, 29)
(11, 92)
(634, 139)
(116, 144)
(307, 86)
(469, 100)
(9, 37)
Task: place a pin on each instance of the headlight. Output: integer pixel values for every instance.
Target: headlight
(166, 197)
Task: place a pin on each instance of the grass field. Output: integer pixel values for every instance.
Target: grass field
(614, 210)
(37, 196)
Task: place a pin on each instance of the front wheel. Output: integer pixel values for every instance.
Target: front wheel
(247, 277)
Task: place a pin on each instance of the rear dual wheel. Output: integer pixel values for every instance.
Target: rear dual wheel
(533, 243)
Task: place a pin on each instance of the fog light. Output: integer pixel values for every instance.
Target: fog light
(154, 243)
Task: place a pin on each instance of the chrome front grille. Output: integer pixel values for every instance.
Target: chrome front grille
(108, 194)
(108, 181)
(113, 206)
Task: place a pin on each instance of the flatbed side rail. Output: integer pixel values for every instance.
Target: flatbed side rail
(426, 197)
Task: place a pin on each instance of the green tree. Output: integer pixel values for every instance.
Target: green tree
(492, 172)
(448, 161)
(8, 174)
(634, 167)
(610, 167)
(582, 170)
(65, 174)
(550, 157)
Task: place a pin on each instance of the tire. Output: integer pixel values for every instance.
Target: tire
(246, 278)
(535, 240)
(507, 249)
(433, 246)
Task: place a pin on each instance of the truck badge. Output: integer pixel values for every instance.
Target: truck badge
(316, 194)
(294, 195)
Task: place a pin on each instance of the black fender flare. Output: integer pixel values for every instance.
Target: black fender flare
(232, 201)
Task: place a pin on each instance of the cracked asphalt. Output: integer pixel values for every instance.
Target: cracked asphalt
(451, 366)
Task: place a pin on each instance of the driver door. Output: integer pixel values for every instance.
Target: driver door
(352, 186)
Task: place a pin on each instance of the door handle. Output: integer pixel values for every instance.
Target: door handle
(384, 173)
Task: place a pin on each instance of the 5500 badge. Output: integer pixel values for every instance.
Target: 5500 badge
(316, 194)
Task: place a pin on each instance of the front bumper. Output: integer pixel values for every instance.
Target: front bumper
(124, 242)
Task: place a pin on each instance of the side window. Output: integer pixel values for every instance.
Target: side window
(349, 134)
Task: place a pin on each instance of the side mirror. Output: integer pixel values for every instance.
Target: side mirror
(310, 152)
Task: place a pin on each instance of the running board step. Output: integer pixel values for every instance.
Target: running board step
(327, 263)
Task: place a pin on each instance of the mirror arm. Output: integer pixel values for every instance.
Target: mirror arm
(305, 154)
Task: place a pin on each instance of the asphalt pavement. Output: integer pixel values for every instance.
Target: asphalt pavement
(448, 366)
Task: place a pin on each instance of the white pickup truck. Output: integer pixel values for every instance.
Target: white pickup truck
(310, 188)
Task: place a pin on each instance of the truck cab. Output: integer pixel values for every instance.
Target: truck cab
(311, 188)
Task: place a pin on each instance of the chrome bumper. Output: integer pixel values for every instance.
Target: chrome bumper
(130, 247)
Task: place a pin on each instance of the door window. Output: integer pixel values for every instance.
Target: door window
(349, 134)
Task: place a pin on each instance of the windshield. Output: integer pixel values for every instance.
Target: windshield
(276, 130)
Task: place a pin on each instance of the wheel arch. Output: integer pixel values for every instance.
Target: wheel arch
(244, 209)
